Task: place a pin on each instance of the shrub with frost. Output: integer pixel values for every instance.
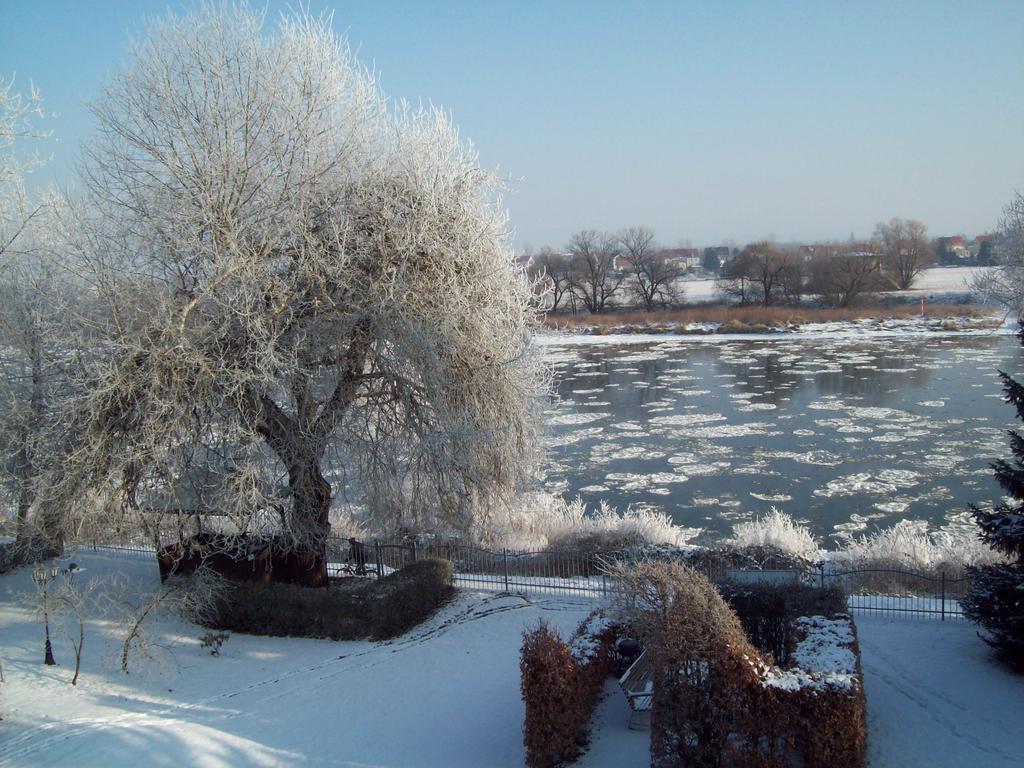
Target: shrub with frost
(545, 521)
(912, 544)
(777, 530)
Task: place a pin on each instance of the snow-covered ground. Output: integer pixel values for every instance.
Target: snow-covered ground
(934, 280)
(937, 698)
(948, 279)
(446, 694)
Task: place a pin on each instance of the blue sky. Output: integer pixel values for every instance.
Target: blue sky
(707, 121)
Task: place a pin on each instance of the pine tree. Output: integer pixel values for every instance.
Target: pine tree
(996, 599)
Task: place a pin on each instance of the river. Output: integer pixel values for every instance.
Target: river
(845, 434)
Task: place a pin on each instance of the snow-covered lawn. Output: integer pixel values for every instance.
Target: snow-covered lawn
(447, 694)
(948, 279)
(936, 698)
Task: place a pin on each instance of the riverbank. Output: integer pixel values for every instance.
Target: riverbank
(748, 322)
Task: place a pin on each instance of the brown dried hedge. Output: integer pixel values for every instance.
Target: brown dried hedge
(710, 704)
(705, 670)
(560, 690)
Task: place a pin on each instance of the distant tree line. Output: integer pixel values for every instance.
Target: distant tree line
(598, 271)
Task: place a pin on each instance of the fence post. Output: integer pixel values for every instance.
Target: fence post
(943, 582)
(380, 565)
(504, 555)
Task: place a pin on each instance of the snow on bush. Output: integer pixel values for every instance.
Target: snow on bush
(778, 530)
(587, 642)
(542, 520)
(910, 543)
(818, 705)
(824, 657)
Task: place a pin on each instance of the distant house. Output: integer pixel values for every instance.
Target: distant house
(955, 247)
(815, 250)
(850, 249)
(984, 249)
(683, 258)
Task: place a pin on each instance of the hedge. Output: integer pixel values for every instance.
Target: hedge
(406, 597)
(561, 684)
(719, 701)
(378, 609)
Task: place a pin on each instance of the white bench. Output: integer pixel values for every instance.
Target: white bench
(637, 683)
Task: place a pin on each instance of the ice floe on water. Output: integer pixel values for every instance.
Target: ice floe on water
(565, 419)
(838, 431)
(885, 481)
(686, 420)
(778, 497)
(889, 437)
(629, 426)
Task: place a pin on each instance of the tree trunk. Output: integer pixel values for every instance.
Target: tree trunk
(311, 505)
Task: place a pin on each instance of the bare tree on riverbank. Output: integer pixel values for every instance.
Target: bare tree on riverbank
(595, 278)
(905, 248)
(653, 277)
(762, 273)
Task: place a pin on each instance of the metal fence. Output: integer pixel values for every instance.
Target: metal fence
(894, 592)
(899, 592)
(542, 572)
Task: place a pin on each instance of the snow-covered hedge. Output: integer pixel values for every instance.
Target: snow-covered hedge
(818, 703)
(769, 612)
(561, 683)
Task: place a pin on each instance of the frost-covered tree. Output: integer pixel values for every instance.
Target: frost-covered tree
(552, 275)
(292, 286)
(996, 599)
(19, 115)
(30, 377)
(27, 362)
(1005, 284)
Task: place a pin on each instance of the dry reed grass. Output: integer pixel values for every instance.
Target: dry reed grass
(758, 315)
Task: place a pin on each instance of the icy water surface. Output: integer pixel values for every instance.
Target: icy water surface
(846, 434)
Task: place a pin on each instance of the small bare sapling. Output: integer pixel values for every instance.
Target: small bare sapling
(190, 598)
(214, 641)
